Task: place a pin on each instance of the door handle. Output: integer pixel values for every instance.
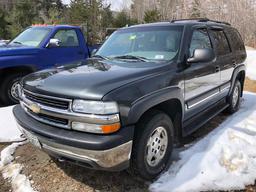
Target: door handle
(217, 69)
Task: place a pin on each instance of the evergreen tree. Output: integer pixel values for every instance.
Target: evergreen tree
(22, 15)
(107, 17)
(151, 16)
(3, 25)
(122, 19)
(78, 12)
(50, 11)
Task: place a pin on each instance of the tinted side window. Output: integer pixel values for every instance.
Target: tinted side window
(221, 42)
(68, 38)
(236, 40)
(199, 40)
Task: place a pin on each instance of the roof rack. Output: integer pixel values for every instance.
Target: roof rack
(222, 22)
(200, 20)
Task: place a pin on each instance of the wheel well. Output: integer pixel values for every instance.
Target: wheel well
(13, 70)
(241, 77)
(173, 109)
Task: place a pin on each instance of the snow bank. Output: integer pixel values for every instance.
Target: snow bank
(12, 171)
(223, 160)
(8, 128)
(251, 64)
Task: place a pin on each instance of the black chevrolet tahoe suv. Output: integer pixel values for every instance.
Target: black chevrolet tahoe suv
(146, 87)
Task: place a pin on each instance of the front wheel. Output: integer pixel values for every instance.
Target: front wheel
(10, 89)
(152, 146)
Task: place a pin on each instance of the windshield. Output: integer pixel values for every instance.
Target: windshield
(151, 43)
(31, 37)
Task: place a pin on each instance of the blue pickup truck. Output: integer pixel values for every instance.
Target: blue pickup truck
(36, 48)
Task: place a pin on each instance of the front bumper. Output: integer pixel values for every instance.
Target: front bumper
(104, 152)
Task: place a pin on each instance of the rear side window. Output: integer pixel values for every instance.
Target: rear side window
(221, 42)
(236, 40)
(199, 40)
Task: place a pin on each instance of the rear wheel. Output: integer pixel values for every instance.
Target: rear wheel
(234, 98)
(152, 146)
(9, 89)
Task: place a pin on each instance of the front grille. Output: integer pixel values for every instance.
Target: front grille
(47, 101)
(53, 104)
(55, 120)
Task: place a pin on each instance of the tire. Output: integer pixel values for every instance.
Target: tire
(234, 99)
(9, 83)
(143, 164)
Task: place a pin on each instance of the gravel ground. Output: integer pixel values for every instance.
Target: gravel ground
(48, 175)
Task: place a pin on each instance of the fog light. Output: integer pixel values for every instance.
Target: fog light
(93, 128)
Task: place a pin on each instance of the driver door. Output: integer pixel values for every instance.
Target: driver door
(201, 79)
(69, 49)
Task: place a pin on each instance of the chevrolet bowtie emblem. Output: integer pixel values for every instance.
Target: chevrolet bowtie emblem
(35, 108)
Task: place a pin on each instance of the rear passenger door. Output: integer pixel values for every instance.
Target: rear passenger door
(202, 79)
(224, 57)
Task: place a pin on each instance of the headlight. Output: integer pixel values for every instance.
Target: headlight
(107, 110)
(95, 107)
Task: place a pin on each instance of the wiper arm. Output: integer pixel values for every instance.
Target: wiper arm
(131, 57)
(99, 56)
(17, 42)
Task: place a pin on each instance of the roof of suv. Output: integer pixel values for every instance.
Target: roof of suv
(55, 26)
(185, 22)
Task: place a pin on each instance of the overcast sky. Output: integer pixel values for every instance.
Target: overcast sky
(116, 5)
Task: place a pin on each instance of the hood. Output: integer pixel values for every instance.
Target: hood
(90, 79)
(13, 49)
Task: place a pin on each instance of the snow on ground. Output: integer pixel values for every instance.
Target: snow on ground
(12, 171)
(8, 128)
(224, 160)
(251, 64)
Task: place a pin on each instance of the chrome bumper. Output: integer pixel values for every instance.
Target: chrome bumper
(105, 159)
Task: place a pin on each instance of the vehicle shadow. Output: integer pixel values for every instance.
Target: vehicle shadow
(102, 180)
(203, 131)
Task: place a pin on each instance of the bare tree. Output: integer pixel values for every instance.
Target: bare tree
(240, 13)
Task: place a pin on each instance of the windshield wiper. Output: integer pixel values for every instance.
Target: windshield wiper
(17, 42)
(131, 57)
(99, 56)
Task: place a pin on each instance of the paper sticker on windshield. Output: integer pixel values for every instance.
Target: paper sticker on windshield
(159, 57)
(132, 37)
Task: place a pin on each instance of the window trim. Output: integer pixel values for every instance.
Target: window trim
(66, 46)
(215, 46)
(192, 32)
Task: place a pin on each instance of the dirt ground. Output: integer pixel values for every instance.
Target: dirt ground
(47, 175)
(4, 185)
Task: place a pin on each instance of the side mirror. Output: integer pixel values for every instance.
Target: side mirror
(53, 43)
(201, 55)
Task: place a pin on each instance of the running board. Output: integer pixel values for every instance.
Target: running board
(202, 118)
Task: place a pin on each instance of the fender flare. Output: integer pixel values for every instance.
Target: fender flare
(140, 106)
(234, 76)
